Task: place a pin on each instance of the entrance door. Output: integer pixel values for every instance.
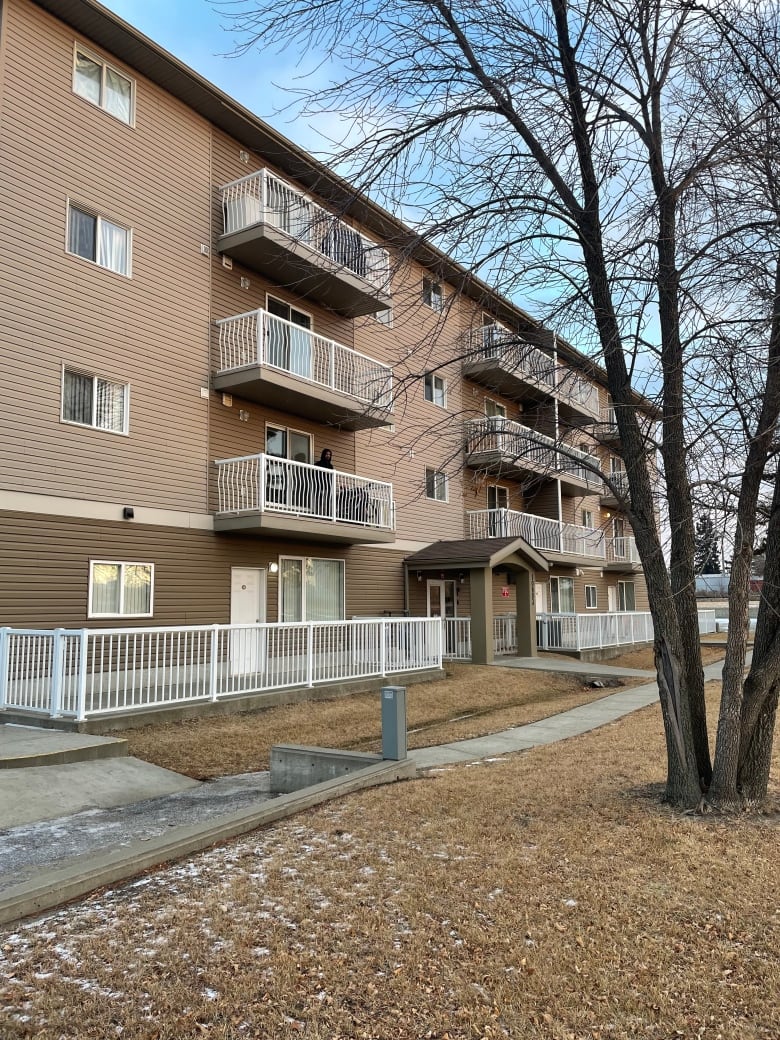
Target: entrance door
(441, 603)
(612, 600)
(247, 607)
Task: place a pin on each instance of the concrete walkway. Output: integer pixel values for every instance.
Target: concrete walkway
(69, 827)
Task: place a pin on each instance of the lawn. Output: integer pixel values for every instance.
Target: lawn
(545, 895)
(470, 702)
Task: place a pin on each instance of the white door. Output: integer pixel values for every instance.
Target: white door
(247, 607)
(612, 601)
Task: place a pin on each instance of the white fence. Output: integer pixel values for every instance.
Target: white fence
(263, 197)
(562, 632)
(260, 338)
(92, 672)
(268, 484)
(494, 343)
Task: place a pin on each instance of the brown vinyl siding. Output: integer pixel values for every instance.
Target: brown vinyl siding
(151, 330)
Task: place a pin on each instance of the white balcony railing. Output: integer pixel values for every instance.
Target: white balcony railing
(260, 338)
(623, 549)
(86, 673)
(577, 391)
(541, 532)
(494, 343)
(263, 197)
(517, 444)
(267, 484)
(619, 480)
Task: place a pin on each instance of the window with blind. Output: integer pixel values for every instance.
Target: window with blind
(99, 240)
(311, 589)
(120, 589)
(103, 85)
(92, 401)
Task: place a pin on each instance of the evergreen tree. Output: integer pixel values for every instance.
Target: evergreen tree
(706, 553)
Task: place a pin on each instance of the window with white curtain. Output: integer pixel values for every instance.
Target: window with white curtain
(91, 401)
(94, 238)
(103, 85)
(626, 595)
(120, 589)
(311, 589)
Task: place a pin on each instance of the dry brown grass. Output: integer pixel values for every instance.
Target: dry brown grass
(471, 701)
(643, 657)
(546, 895)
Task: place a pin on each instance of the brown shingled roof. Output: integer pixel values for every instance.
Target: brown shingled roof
(475, 552)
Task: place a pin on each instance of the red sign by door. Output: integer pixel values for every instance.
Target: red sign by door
(505, 592)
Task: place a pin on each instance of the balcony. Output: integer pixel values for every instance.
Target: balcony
(618, 498)
(508, 449)
(263, 494)
(549, 536)
(275, 362)
(499, 360)
(578, 397)
(622, 554)
(275, 229)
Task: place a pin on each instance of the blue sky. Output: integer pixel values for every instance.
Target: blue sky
(196, 33)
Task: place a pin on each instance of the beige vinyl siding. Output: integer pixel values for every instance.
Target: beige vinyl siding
(151, 330)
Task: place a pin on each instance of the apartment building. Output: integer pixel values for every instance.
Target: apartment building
(196, 314)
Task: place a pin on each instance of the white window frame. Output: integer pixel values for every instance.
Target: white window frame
(303, 561)
(287, 430)
(122, 564)
(105, 67)
(494, 409)
(587, 519)
(384, 317)
(92, 212)
(591, 594)
(440, 485)
(435, 387)
(433, 294)
(125, 431)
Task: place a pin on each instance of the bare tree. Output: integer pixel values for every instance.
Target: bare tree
(593, 156)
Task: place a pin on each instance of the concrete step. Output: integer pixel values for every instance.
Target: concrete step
(29, 746)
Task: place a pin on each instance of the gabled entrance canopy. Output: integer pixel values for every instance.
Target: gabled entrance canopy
(481, 557)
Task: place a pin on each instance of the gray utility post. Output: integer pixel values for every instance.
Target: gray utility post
(393, 722)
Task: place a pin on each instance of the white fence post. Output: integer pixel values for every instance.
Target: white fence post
(310, 654)
(213, 663)
(81, 688)
(4, 640)
(383, 647)
(55, 693)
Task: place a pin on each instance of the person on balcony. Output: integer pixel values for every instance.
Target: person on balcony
(323, 485)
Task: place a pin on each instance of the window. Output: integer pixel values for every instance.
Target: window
(626, 595)
(311, 589)
(92, 401)
(562, 595)
(101, 84)
(96, 239)
(435, 484)
(120, 589)
(289, 343)
(385, 317)
(287, 444)
(494, 410)
(587, 518)
(433, 295)
(435, 390)
(591, 597)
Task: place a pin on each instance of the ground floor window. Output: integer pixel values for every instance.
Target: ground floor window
(120, 589)
(626, 595)
(591, 597)
(311, 589)
(562, 595)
